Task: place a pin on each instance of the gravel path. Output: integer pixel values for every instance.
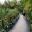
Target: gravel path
(21, 25)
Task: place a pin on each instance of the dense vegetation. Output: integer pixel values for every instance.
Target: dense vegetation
(9, 11)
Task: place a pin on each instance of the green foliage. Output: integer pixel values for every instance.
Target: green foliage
(13, 10)
(5, 14)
